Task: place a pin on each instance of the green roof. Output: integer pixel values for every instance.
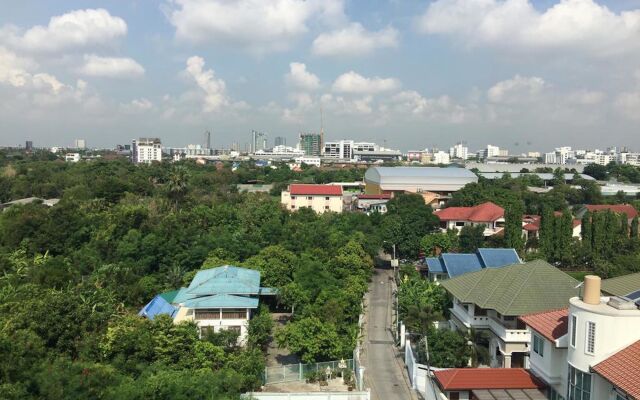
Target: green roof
(516, 289)
(169, 296)
(621, 285)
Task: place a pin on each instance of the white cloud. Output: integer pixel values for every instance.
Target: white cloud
(586, 97)
(571, 25)
(352, 82)
(516, 90)
(214, 89)
(300, 78)
(257, 25)
(354, 40)
(14, 69)
(628, 104)
(136, 106)
(79, 28)
(111, 67)
(443, 107)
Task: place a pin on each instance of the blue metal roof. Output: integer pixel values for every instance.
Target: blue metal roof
(225, 280)
(222, 301)
(435, 265)
(454, 264)
(458, 264)
(494, 258)
(157, 306)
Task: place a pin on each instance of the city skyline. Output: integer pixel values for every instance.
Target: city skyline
(414, 74)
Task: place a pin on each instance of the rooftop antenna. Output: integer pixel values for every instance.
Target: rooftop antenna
(207, 134)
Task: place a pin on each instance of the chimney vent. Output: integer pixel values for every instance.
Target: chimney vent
(591, 293)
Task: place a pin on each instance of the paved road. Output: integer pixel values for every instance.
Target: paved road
(384, 364)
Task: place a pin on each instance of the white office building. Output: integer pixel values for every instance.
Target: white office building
(80, 144)
(459, 151)
(146, 150)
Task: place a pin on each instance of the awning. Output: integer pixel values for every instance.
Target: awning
(509, 394)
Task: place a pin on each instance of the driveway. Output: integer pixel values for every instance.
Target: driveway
(385, 373)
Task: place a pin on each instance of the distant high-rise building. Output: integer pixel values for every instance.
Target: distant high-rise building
(459, 151)
(28, 145)
(256, 143)
(80, 144)
(280, 141)
(310, 143)
(146, 150)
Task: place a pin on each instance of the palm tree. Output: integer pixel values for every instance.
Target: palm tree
(479, 342)
(177, 184)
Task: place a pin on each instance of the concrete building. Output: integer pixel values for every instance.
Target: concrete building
(492, 299)
(342, 149)
(279, 141)
(488, 152)
(222, 298)
(590, 350)
(370, 203)
(436, 184)
(80, 144)
(440, 157)
(146, 150)
(313, 161)
(311, 144)
(488, 214)
(320, 198)
(72, 157)
(459, 151)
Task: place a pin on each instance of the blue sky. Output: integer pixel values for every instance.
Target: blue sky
(528, 75)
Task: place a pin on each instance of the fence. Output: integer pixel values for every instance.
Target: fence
(298, 372)
(308, 395)
(420, 376)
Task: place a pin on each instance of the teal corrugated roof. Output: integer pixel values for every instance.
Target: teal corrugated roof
(222, 301)
(169, 296)
(225, 280)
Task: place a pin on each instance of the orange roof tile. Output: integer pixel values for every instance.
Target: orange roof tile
(486, 378)
(621, 369)
(310, 189)
(485, 212)
(550, 324)
(617, 208)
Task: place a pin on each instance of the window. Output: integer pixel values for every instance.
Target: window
(309, 197)
(454, 395)
(574, 324)
(206, 331)
(293, 197)
(234, 314)
(326, 207)
(579, 385)
(620, 397)
(458, 223)
(553, 395)
(538, 345)
(326, 198)
(590, 344)
(293, 206)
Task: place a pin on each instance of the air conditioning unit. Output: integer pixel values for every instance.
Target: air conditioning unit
(620, 303)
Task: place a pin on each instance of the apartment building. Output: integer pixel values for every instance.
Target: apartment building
(146, 150)
(320, 198)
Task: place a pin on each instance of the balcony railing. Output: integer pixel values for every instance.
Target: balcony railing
(486, 322)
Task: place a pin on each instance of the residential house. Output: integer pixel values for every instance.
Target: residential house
(488, 384)
(320, 198)
(29, 200)
(450, 265)
(373, 202)
(436, 183)
(590, 350)
(216, 299)
(492, 299)
(531, 226)
(627, 209)
(488, 214)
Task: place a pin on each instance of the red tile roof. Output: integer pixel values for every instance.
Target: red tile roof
(486, 378)
(485, 212)
(550, 324)
(298, 189)
(617, 208)
(621, 369)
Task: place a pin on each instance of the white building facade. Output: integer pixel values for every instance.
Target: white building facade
(146, 150)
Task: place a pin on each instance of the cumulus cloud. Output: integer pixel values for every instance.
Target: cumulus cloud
(79, 28)
(214, 89)
(352, 82)
(586, 97)
(300, 78)
(443, 107)
(136, 106)
(354, 40)
(256, 25)
(575, 25)
(516, 90)
(111, 67)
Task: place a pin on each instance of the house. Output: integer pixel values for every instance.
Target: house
(373, 202)
(531, 226)
(30, 200)
(450, 265)
(591, 349)
(488, 214)
(492, 299)
(437, 183)
(488, 384)
(627, 209)
(217, 298)
(320, 198)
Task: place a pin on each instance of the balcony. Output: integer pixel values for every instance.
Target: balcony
(487, 322)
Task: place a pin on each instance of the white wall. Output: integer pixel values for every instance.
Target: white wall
(317, 203)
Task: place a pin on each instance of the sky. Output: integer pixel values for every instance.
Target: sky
(522, 74)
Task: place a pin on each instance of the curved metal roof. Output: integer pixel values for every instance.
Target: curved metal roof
(419, 178)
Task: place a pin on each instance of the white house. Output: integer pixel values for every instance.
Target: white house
(320, 198)
(488, 214)
(216, 299)
(590, 350)
(72, 157)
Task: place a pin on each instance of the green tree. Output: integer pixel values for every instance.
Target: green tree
(513, 225)
(312, 339)
(586, 231)
(435, 243)
(447, 349)
(177, 184)
(411, 220)
(471, 238)
(634, 228)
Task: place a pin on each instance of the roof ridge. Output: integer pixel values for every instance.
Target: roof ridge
(524, 282)
(495, 287)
